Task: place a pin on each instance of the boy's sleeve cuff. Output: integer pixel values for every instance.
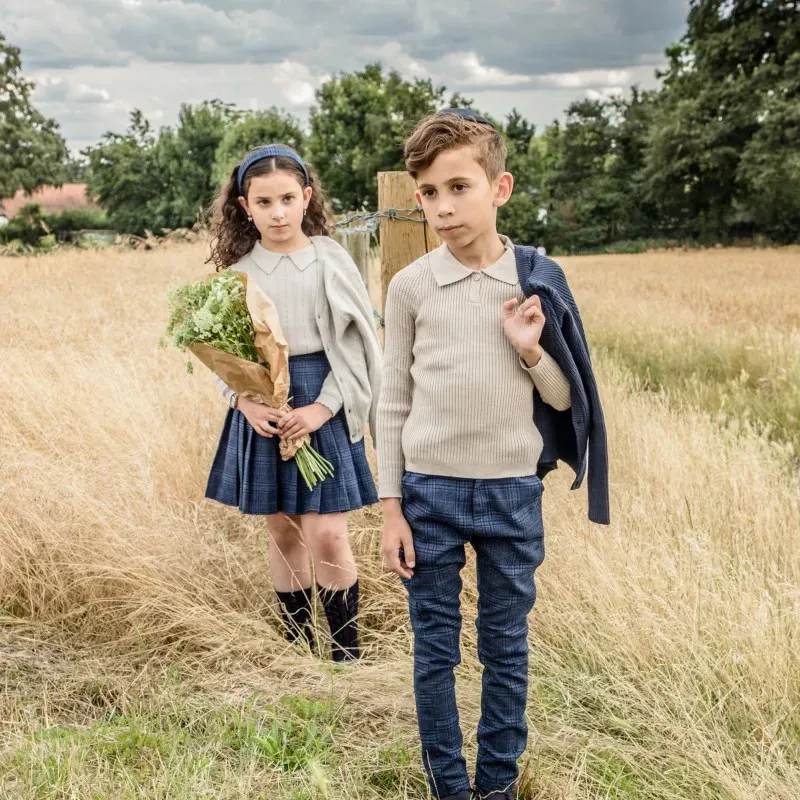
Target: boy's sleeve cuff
(550, 381)
(389, 487)
(545, 367)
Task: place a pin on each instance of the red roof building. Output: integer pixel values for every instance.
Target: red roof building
(52, 199)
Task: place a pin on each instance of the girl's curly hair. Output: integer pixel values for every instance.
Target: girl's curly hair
(233, 235)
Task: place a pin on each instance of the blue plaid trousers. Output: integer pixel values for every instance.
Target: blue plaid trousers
(502, 520)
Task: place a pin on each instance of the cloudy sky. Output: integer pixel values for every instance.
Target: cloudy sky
(95, 60)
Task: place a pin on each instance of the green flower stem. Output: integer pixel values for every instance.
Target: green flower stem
(313, 467)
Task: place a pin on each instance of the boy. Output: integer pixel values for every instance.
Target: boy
(468, 367)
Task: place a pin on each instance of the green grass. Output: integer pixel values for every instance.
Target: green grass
(161, 747)
(295, 748)
(300, 749)
(736, 382)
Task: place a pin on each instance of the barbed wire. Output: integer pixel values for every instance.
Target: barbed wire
(371, 219)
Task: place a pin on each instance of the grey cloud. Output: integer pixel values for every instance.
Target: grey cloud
(61, 90)
(69, 33)
(83, 124)
(194, 33)
(60, 34)
(571, 35)
(53, 91)
(523, 37)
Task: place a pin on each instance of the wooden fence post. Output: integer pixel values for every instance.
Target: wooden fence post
(401, 241)
(358, 245)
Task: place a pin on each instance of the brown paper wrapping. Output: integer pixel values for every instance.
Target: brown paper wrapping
(265, 384)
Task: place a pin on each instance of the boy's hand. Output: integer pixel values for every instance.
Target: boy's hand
(301, 421)
(398, 543)
(523, 326)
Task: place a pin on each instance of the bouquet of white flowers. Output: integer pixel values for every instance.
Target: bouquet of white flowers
(234, 329)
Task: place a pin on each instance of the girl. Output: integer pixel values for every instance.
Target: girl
(271, 222)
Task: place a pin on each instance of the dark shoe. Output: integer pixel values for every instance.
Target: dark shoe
(465, 795)
(341, 611)
(296, 613)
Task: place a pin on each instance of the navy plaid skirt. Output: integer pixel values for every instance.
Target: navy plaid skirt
(248, 471)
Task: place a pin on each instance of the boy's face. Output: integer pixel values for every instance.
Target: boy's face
(459, 201)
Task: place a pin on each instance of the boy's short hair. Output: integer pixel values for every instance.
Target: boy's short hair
(447, 130)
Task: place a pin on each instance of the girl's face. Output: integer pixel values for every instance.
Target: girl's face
(276, 203)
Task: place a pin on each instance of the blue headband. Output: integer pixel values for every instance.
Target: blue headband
(273, 151)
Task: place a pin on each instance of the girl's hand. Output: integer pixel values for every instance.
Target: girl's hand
(523, 327)
(262, 417)
(300, 421)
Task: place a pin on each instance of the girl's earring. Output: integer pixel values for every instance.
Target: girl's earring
(249, 218)
(305, 210)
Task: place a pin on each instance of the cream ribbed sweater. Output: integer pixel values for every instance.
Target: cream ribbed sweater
(456, 399)
(292, 282)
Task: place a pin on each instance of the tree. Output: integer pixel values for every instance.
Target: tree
(32, 151)
(250, 130)
(155, 181)
(719, 91)
(76, 169)
(581, 196)
(636, 217)
(591, 174)
(769, 169)
(186, 155)
(521, 218)
(358, 127)
(124, 178)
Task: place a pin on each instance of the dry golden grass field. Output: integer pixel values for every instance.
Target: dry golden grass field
(139, 650)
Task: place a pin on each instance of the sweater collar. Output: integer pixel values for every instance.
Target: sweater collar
(447, 269)
(268, 260)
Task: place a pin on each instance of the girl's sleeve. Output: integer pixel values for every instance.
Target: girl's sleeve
(330, 396)
(226, 390)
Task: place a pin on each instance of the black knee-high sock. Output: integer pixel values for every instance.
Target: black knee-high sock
(296, 613)
(341, 610)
